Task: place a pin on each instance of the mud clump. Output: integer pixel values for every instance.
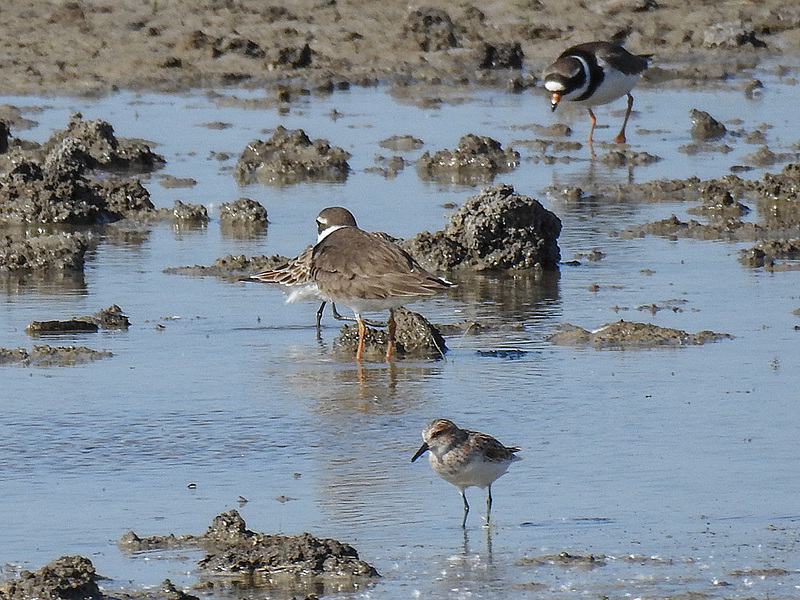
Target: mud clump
(705, 127)
(566, 559)
(242, 212)
(243, 218)
(502, 56)
(401, 143)
(189, 215)
(51, 356)
(779, 196)
(104, 150)
(628, 158)
(496, 229)
(75, 578)
(65, 578)
(54, 183)
(776, 198)
(107, 318)
(731, 34)
(626, 335)
(248, 558)
(767, 254)
(289, 156)
(415, 337)
(673, 228)
(477, 158)
(232, 267)
(42, 253)
(430, 29)
(718, 202)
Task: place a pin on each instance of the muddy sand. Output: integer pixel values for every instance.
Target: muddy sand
(93, 46)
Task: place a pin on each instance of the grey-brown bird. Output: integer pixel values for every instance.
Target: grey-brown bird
(592, 74)
(465, 458)
(295, 275)
(361, 270)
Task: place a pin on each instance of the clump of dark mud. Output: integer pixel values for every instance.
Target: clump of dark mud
(243, 218)
(51, 356)
(189, 215)
(725, 201)
(65, 578)
(477, 158)
(389, 167)
(55, 183)
(243, 212)
(232, 267)
(566, 559)
(39, 253)
(496, 229)
(625, 335)
(415, 337)
(672, 227)
(430, 29)
(401, 143)
(75, 578)
(234, 553)
(104, 150)
(770, 253)
(718, 202)
(107, 318)
(627, 158)
(289, 156)
(705, 127)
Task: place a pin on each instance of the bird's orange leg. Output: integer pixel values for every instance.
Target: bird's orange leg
(620, 139)
(392, 326)
(593, 119)
(362, 330)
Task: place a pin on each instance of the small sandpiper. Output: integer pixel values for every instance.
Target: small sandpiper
(592, 74)
(465, 458)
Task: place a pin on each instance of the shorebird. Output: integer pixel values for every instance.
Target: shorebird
(592, 74)
(465, 458)
(361, 270)
(295, 275)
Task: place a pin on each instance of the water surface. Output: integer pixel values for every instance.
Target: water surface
(687, 455)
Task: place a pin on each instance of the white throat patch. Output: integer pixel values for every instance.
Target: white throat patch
(327, 231)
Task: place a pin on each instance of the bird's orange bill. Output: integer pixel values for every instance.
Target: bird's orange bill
(555, 98)
(422, 450)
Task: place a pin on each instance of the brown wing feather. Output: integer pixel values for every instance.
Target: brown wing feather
(353, 263)
(492, 447)
(296, 271)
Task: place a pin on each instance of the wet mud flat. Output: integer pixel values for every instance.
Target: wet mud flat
(237, 560)
(318, 46)
(496, 229)
(428, 55)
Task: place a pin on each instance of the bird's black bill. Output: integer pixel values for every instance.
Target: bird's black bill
(422, 450)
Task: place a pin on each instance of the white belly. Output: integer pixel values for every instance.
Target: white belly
(614, 85)
(477, 472)
(303, 291)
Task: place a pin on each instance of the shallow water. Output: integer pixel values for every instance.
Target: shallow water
(687, 455)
